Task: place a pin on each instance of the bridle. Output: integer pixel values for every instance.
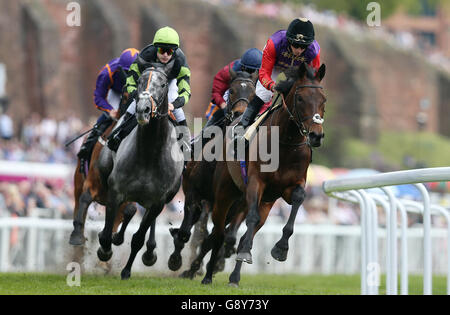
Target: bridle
(298, 121)
(229, 112)
(145, 95)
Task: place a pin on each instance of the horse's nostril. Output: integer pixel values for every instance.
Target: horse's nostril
(147, 110)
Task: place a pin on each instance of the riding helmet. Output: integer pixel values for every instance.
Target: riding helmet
(127, 57)
(252, 58)
(300, 31)
(166, 37)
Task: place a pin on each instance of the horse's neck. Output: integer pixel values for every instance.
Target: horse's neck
(151, 138)
(289, 132)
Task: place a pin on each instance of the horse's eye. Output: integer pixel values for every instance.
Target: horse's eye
(164, 85)
(231, 92)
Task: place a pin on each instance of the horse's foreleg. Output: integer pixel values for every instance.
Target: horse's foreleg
(216, 238)
(254, 194)
(128, 213)
(149, 257)
(230, 235)
(280, 250)
(77, 238)
(182, 235)
(104, 252)
(139, 237)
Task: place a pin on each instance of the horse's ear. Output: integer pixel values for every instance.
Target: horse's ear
(302, 70)
(233, 73)
(255, 76)
(321, 72)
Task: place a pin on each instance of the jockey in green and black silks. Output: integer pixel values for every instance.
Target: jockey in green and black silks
(164, 49)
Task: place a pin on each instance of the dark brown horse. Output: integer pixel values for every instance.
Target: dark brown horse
(90, 188)
(198, 176)
(299, 121)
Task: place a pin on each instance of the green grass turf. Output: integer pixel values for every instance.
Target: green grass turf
(43, 284)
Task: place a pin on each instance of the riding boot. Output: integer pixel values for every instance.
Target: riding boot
(250, 112)
(127, 125)
(185, 140)
(246, 120)
(87, 147)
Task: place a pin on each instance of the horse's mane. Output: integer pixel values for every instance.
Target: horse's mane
(293, 74)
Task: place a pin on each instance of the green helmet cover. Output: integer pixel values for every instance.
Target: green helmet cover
(166, 36)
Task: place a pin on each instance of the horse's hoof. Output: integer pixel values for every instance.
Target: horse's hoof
(206, 281)
(104, 256)
(173, 232)
(117, 239)
(77, 239)
(279, 253)
(233, 285)
(187, 275)
(175, 261)
(244, 257)
(125, 274)
(229, 251)
(149, 259)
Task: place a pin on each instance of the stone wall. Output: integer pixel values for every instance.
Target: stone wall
(52, 68)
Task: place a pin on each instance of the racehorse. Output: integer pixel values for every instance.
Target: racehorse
(299, 120)
(147, 167)
(88, 188)
(198, 176)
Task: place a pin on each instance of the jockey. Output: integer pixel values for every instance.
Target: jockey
(107, 96)
(284, 49)
(165, 47)
(249, 62)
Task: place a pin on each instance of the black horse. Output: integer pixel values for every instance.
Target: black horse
(147, 167)
(198, 176)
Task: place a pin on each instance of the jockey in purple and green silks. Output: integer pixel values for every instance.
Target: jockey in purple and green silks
(107, 96)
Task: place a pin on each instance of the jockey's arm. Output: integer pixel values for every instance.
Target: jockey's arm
(184, 88)
(268, 62)
(132, 80)
(221, 84)
(102, 88)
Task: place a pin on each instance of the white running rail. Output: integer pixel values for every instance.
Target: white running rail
(356, 190)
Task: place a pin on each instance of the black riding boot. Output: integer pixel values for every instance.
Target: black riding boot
(218, 117)
(251, 111)
(127, 125)
(88, 145)
(186, 143)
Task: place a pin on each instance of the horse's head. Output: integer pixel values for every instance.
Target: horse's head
(305, 101)
(242, 90)
(153, 87)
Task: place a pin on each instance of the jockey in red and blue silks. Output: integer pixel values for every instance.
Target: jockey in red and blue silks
(284, 49)
(249, 62)
(107, 96)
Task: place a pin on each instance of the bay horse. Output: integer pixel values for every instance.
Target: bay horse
(300, 123)
(89, 188)
(198, 175)
(147, 167)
